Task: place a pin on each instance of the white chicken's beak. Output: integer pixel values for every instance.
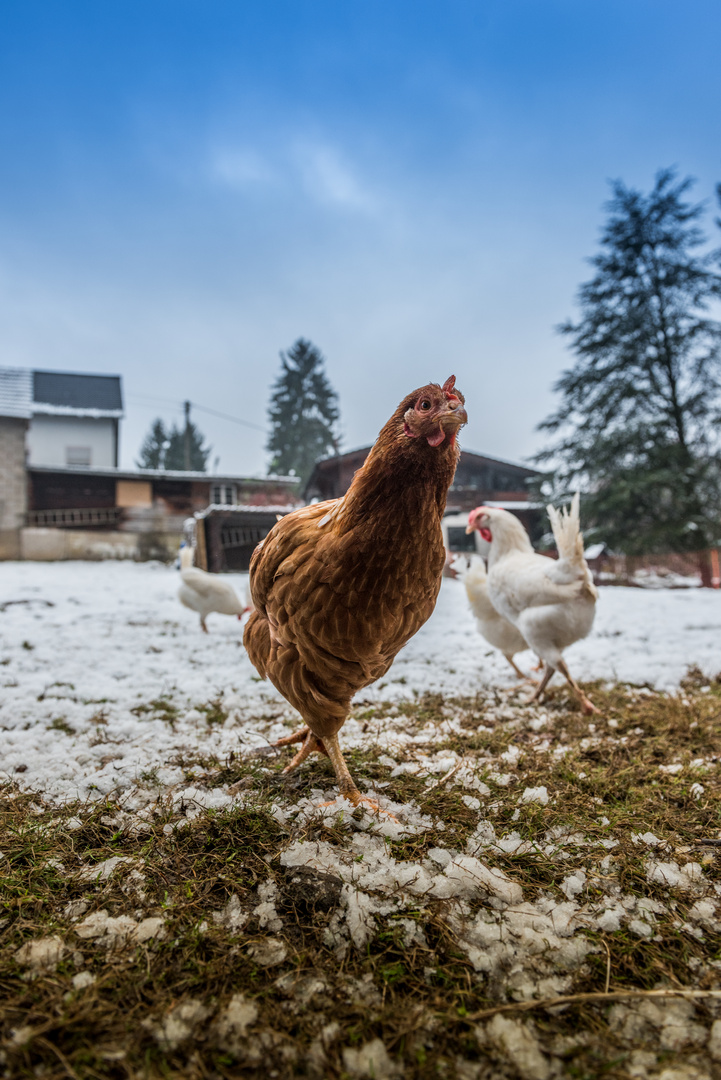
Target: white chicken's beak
(470, 529)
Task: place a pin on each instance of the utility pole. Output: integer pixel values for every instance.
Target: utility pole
(186, 437)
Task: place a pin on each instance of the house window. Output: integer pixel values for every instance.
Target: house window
(223, 495)
(78, 455)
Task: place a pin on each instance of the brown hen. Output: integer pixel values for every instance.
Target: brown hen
(340, 587)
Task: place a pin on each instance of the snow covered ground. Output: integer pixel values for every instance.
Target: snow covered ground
(85, 648)
(520, 841)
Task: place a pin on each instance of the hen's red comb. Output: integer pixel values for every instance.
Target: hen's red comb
(449, 386)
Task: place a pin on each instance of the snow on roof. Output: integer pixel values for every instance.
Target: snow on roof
(512, 504)
(244, 508)
(16, 392)
(161, 474)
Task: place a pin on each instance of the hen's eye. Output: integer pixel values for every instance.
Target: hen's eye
(425, 405)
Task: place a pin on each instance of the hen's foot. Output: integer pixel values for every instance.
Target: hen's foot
(310, 744)
(587, 706)
(363, 801)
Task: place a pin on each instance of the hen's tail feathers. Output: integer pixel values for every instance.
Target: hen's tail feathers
(566, 527)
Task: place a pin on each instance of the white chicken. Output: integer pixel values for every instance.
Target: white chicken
(204, 593)
(551, 602)
(497, 630)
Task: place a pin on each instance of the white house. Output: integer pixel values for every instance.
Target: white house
(51, 418)
(74, 419)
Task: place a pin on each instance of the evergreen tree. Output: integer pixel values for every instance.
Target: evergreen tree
(199, 454)
(155, 443)
(639, 414)
(303, 412)
(164, 448)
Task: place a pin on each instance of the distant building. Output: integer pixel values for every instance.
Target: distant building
(479, 480)
(72, 419)
(62, 494)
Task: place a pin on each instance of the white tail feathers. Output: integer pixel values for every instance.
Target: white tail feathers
(465, 567)
(566, 525)
(476, 572)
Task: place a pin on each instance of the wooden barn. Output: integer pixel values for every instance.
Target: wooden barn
(479, 480)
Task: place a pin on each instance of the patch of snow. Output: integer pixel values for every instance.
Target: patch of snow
(521, 1046)
(179, 1024)
(232, 916)
(231, 1025)
(684, 878)
(103, 870)
(82, 980)
(371, 1060)
(535, 794)
(268, 952)
(41, 954)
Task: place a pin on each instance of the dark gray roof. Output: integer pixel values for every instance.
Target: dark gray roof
(63, 390)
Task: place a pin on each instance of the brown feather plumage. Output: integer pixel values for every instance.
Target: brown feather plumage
(339, 587)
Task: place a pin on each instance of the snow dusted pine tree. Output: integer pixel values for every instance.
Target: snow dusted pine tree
(639, 414)
(155, 444)
(303, 412)
(164, 448)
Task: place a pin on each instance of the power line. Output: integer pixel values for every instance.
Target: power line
(224, 416)
(202, 408)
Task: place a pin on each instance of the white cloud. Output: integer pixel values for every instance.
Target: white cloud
(330, 179)
(311, 169)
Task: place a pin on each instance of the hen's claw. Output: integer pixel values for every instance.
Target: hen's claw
(310, 743)
(362, 800)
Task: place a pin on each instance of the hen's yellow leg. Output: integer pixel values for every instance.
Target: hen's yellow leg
(346, 784)
(331, 748)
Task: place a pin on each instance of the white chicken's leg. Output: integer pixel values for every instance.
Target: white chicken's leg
(515, 666)
(203, 626)
(519, 673)
(545, 679)
(587, 706)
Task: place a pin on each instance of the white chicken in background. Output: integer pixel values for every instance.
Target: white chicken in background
(497, 631)
(550, 602)
(205, 593)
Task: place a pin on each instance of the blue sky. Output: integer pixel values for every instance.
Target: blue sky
(187, 186)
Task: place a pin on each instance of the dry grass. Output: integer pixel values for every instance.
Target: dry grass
(158, 1007)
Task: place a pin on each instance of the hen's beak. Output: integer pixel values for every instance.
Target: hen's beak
(455, 413)
(453, 416)
(470, 528)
